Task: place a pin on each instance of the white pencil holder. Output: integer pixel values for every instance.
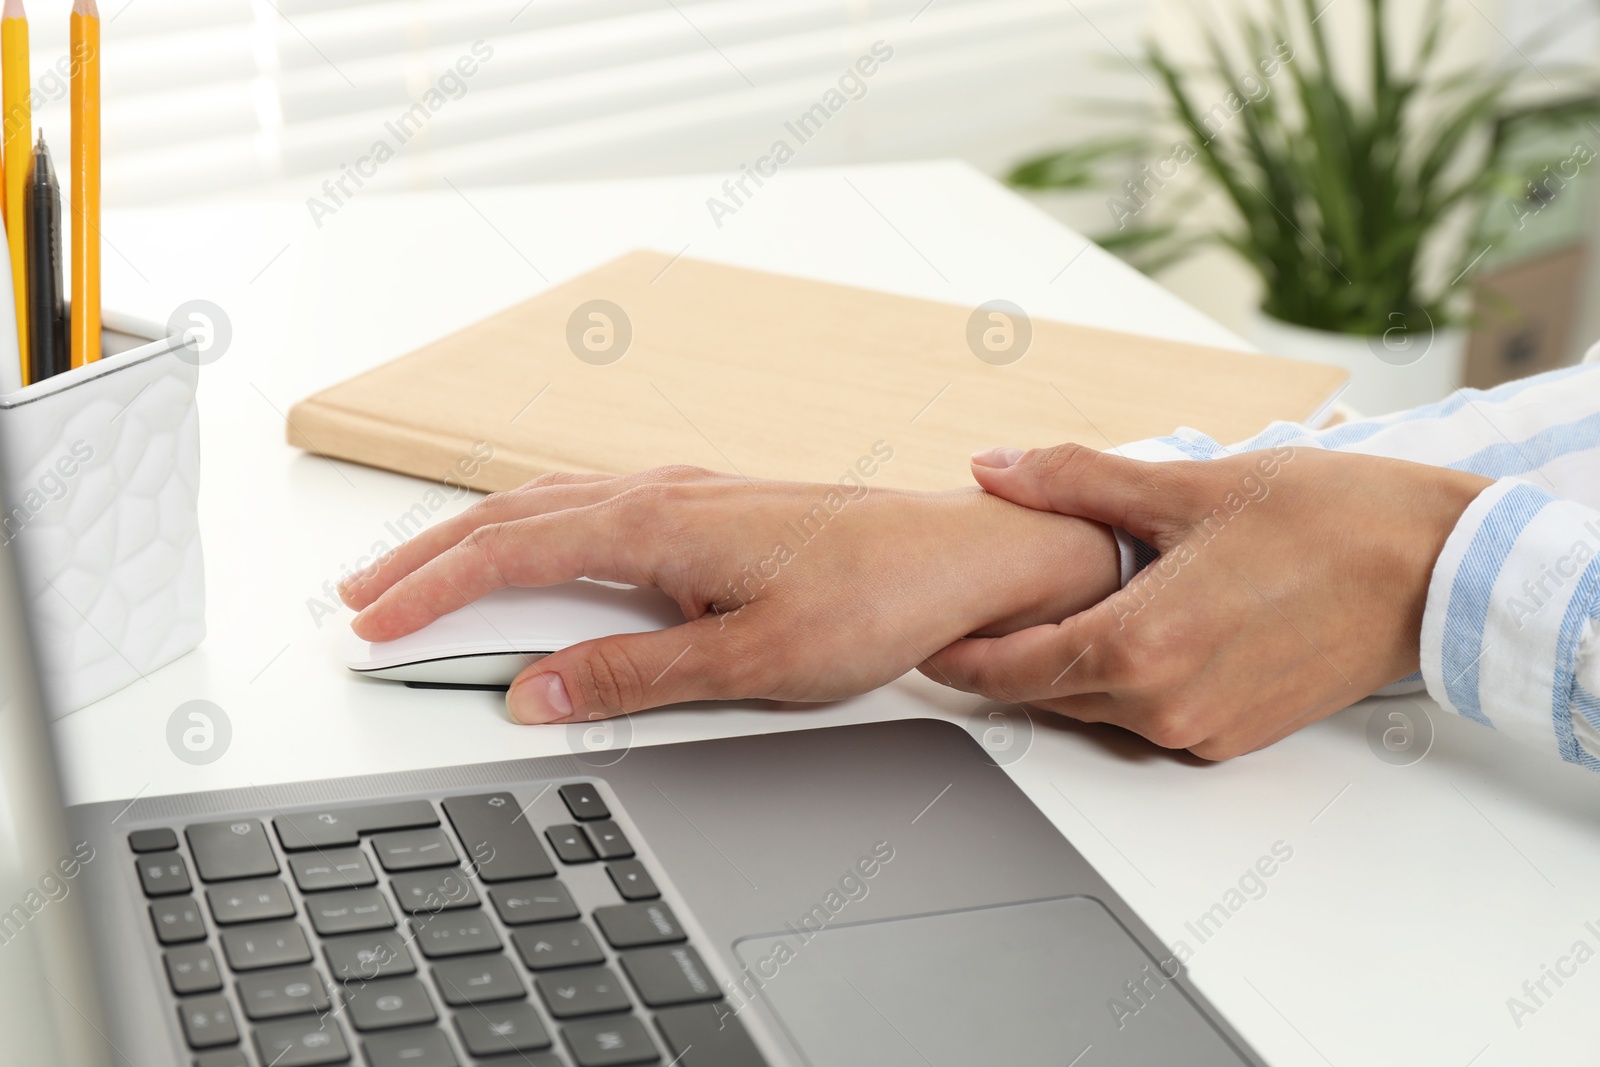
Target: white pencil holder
(100, 476)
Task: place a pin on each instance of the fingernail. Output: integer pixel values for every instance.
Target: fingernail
(997, 457)
(541, 699)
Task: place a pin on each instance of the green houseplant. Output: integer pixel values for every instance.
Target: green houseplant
(1350, 198)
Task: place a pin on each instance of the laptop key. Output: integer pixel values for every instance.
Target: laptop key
(583, 800)
(439, 889)
(585, 991)
(664, 977)
(222, 1057)
(388, 1003)
(159, 839)
(570, 843)
(274, 994)
(533, 902)
(304, 1041)
(316, 829)
(454, 934)
(553, 945)
(337, 868)
(609, 840)
(401, 815)
(361, 957)
(338, 827)
(410, 849)
(496, 1028)
(707, 1035)
(609, 1042)
(192, 969)
(177, 920)
(634, 925)
(409, 1048)
(477, 980)
(262, 945)
(632, 880)
(163, 874)
(248, 902)
(500, 843)
(236, 848)
(207, 1021)
(349, 912)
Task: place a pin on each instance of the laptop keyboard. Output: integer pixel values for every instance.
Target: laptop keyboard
(479, 930)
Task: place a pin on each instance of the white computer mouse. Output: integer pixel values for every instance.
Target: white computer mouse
(488, 643)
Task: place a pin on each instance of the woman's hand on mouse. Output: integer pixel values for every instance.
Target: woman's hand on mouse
(790, 591)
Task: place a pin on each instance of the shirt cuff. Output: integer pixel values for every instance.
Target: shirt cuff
(1507, 608)
(1133, 555)
(1411, 683)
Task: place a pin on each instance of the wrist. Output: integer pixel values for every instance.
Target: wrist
(1537, 545)
(1438, 512)
(1054, 566)
(1407, 569)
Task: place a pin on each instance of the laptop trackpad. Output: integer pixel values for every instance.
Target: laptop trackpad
(1019, 984)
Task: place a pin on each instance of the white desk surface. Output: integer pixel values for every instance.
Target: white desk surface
(1418, 898)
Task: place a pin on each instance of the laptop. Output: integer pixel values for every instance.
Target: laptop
(875, 895)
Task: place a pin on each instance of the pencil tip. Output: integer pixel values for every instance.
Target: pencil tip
(79, 7)
(13, 10)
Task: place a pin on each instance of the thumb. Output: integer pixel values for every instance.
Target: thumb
(625, 673)
(1142, 498)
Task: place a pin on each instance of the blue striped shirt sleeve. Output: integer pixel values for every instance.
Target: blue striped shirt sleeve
(1511, 628)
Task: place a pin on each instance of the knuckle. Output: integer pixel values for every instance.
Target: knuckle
(492, 505)
(651, 498)
(1174, 725)
(544, 481)
(489, 543)
(1216, 750)
(659, 508)
(1061, 461)
(609, 679)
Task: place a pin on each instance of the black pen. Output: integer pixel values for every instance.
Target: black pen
(47, 342)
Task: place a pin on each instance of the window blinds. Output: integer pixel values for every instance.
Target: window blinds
(220, 96)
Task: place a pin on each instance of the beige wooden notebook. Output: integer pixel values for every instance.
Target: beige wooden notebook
(776, 377)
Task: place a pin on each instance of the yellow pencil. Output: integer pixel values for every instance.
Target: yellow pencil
(18, 141)
(85, 182)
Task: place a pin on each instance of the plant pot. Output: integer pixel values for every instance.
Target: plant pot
(1391, 372)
